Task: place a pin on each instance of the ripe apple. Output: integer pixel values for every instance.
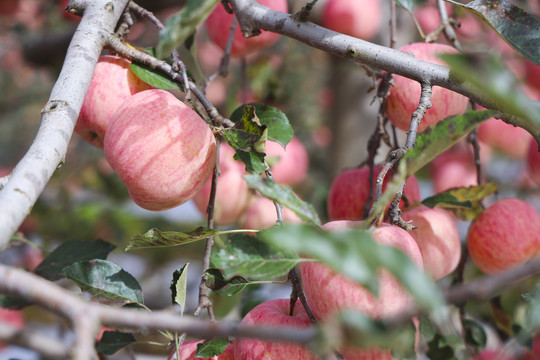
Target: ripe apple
(273, 313)
(189, 347)
(218, 26)
(533, 161)
(232, 193)
(113, 82)
(13, 318)
(504, 235)
(8, 7)
(290, 165)
(359, 18)
(535, 353)
(511, 140)
(404, 96)
(261, 214)
(437, 237)
(532, 74)
(349, 193)
(162, 150)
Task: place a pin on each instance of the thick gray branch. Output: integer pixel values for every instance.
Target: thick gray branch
(58, 116)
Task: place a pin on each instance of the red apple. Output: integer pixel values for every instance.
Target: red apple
(113, 82)
(8, 7)
(535, 353)
(232, 193)
(67, 15)
(506, 234)
(13, 318)
(493, 354)
(533, 74)
(290, 165)
(349, 193)
(404, 96)
(509, 139)
(533, 161)
(189, 347)
(273, 313)
(359, 18)
(162, 150)
(219, 22)
(261, 214)
(437, 237)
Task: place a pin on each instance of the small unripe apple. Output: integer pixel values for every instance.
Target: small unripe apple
(218, 26)
(162, 150)
(112, 83)
(290, 165)
(232, 193)
(274, 313)
(505, 235)
(404, 96)
(533, 161)
(437, 237)
(261, 214)
(359, 18)
(349, 193)
(511, 140)
(189, 347)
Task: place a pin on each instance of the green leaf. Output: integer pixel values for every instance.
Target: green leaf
(105, 281)
(475, 334)
(155, 78)
(182, 25)
(283, 195)
(13, 302)
(355, 254)
(210, 348)
(112, 341)
(533, 309)
(279, 128)
(246, 256)
(517, 27)
(253, 161)
(248, 133)
(437, 139)
(225, 287)
(68, 253)
(464, 202)
(179, 287)
(157, 238)
(409, 5)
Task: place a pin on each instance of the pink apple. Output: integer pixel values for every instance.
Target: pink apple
(232, 193)
(359, 18)
(493, 354)
(505, 235)
(13, 318)
(428, 18)
(511, 140)
(404, 96)
(189, 347)
(273, 313)
(261, 214)
(533, 161)
(290, 165)
(113, 82)
(219, 23)
(437, 237)
(329, 292)
(162, 150)
(349, 193)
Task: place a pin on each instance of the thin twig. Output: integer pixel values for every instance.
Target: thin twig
(392, 23)
(223, 69)
(448, 30)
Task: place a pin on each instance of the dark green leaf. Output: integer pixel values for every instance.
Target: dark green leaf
(155, 78)
(253, 161)
(12, 302)
(427, 328)
(68, 253)
(182, 25)
(225, 287)
(210, 348)
(248, 133)
(355, 254)
(439, 349)
(436, 139)
(283, 195)
(112, 341)
(518, 28)
(157, 238)
(475, 334)
(279, 128)
(105, 281)
(246, 256)
(179, 287)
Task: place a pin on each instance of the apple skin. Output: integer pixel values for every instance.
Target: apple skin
(511, 140)
(535, 354)
(162, 150)
(218, 26)
(8, 7)
(13, 318)
(274, 313)
(292, 166)
(189, 347)
(350, 191)
(404, 96)
(232, 193)
(359, 18)
(437, 237)
(532, 72)
(504, 235)
(112, 83)
(533, 161)
(261, 214)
